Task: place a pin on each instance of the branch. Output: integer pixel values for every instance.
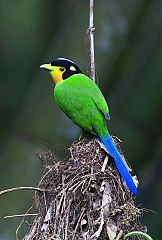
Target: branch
(91, 41)
(21, 188)
(20, 215)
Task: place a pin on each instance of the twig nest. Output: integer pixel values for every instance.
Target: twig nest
(85, 198)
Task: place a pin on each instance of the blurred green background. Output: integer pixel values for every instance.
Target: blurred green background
(128, 62)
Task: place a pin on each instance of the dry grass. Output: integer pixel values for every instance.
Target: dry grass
(85, 198)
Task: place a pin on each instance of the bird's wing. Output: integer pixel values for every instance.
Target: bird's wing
(100, 101)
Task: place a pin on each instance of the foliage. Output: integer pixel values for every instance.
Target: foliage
(142, 234)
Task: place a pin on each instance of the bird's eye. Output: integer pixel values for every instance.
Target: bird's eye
(62, 69)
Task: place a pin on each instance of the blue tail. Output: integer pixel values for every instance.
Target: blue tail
(122, 168)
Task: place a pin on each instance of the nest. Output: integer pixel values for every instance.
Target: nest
(84, 198)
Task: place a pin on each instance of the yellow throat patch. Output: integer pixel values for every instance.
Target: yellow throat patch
(57, 74)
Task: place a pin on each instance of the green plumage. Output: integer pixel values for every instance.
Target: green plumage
(81, 99)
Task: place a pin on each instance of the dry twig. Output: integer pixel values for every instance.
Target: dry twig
(20, 215)
(21, 188)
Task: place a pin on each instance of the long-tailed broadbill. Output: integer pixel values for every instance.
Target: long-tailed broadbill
(82, 101)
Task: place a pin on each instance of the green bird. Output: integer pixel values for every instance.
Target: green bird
(82, 101)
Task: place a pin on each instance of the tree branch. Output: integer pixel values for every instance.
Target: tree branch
(91, 30)
(21, 188)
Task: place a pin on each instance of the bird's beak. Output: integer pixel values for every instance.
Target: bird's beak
(47, 66)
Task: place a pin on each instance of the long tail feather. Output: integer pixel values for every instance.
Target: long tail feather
(122, 168)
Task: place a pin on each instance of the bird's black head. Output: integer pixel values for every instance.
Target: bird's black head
(61, 69)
